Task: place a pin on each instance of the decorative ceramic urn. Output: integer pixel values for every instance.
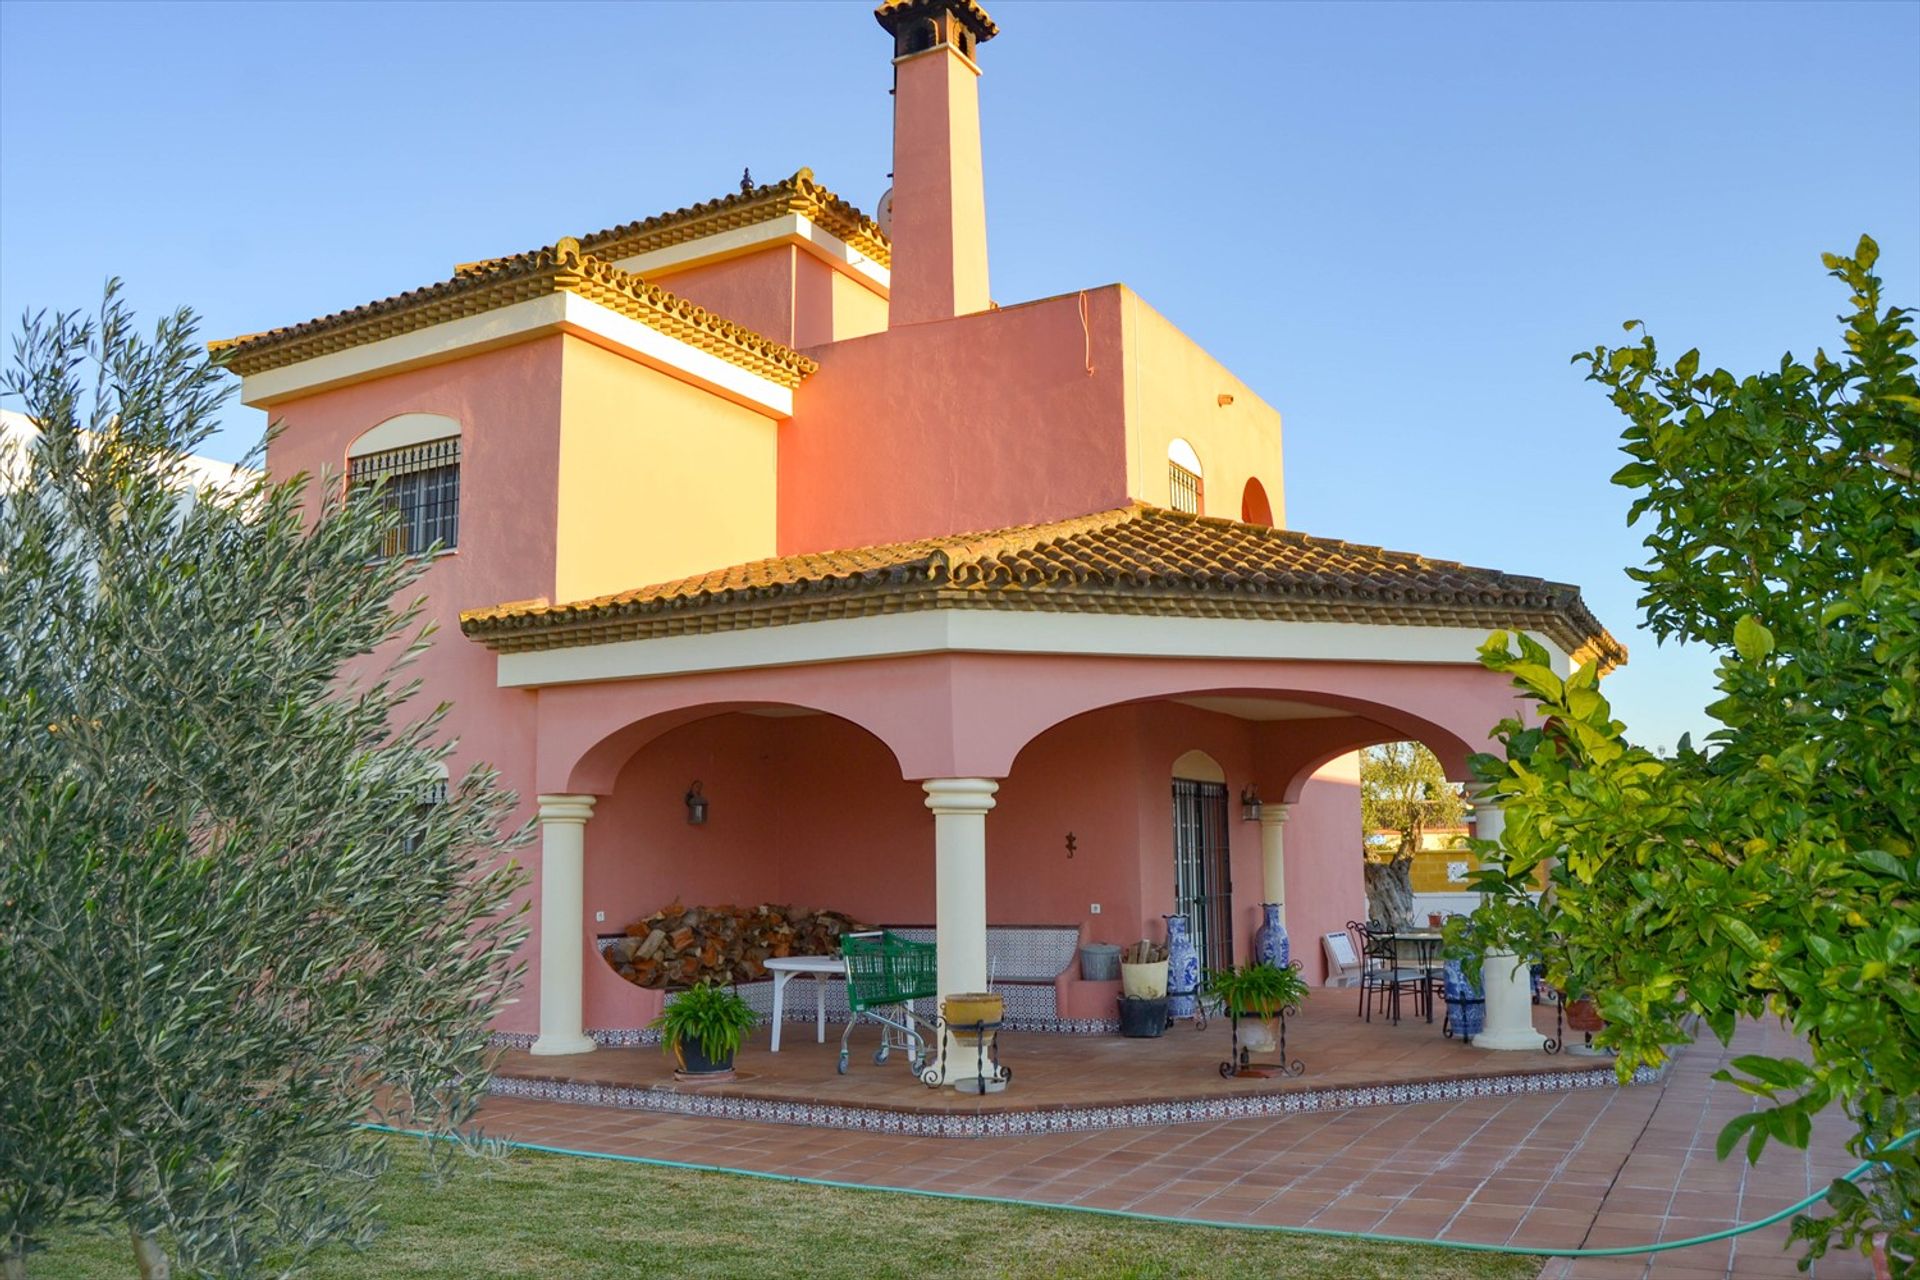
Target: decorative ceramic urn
(1466, 1003)
(1270, 943)
(1183, 969)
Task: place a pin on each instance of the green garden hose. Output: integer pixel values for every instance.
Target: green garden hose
(1137, 1216)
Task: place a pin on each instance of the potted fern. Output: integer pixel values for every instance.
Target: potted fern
(703, 1027)
(1258, 996)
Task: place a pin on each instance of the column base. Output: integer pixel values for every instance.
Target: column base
(1529, 1041)
(555, 1046)
(1509, 990)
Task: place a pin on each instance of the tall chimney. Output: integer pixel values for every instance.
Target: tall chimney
(939, 229)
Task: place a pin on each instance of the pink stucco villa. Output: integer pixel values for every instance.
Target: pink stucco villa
(935, 596)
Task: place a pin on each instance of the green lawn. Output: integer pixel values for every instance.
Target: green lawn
(558, 1218)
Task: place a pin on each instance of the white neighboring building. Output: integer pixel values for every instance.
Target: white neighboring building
(17, 430)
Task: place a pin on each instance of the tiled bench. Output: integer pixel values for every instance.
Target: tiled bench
(1028, 962)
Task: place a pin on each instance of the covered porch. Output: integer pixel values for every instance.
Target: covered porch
(988, 731)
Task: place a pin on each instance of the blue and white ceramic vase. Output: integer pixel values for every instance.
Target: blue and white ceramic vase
(1466, 1003)
(1270, 943)
(1183, 969)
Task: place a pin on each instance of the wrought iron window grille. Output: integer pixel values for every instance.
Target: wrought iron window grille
(1184, 488)
(421, 483)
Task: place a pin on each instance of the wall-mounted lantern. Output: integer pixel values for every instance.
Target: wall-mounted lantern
(1250, 804)
(696, 806)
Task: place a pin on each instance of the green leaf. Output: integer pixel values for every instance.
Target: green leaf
(1731, 1132)
(1782, 1073)
(1751, 639)
(1742, 933)
(1882, 861)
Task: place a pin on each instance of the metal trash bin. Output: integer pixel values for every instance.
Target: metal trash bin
(1100, 962)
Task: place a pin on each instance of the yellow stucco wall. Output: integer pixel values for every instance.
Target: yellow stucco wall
(658, 479)
(857, 310)
(1173, 389)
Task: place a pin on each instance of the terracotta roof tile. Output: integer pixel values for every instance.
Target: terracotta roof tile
(891, 13)
(499, 282)
(1137, 559)
(798, 194)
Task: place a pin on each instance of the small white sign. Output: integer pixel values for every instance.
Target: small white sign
(1341, 960)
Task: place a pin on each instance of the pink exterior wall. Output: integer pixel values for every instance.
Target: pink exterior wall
(1325, 887)
(507, 402)
(783, 292)
(754, 289)
(974, 423)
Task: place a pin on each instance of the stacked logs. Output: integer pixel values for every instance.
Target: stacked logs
(681, 946)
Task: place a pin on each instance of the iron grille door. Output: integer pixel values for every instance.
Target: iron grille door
(1202, 875)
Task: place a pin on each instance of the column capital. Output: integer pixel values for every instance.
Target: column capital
(564, 808)
(960, 795)
(1273, 815)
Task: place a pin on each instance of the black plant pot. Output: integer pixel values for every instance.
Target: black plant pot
(1143, 1019)
(693, 1061)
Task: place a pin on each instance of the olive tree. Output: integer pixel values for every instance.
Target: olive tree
(1403, 790)
(1774, 871)
(241, 909)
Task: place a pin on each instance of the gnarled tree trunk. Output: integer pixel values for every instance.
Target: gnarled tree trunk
(152, 1259)
(1390, 892)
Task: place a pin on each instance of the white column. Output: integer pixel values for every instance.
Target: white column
(563, 909)
(960, 807)
(1273, 855)
(1504, 976)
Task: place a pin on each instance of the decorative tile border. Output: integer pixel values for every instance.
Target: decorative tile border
(1014, 1123)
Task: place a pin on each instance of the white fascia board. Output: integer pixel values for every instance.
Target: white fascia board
(792, 228)
(995, 631)
(556, 312)
(494, 328)
(646, 343)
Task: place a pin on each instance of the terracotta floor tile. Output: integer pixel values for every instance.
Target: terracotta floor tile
(1607, 1165)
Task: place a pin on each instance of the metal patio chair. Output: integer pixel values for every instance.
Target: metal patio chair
(885, 974)
(1383, 975)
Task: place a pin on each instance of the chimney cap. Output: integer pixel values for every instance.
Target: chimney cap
(893, 13)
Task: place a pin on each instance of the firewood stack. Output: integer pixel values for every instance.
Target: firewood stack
(682, 946)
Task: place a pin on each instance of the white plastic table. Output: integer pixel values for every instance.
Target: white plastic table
(820, 969)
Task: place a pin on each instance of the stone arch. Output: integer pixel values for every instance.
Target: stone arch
(1447, 708)
(1199, 766)
(402, 431)
(600, 763)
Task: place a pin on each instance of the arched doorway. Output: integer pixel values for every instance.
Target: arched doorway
(1202, 859)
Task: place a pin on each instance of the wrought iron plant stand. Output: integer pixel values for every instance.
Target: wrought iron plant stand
(989, 1075)
(1241, 1063)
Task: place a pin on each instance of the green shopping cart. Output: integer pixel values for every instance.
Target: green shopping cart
(885, 974)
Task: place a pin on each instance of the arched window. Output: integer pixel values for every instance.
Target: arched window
(417, 455)
(1254, 507)
(1185, 488)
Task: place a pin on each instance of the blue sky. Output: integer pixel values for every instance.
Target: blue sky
(1394, 221)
